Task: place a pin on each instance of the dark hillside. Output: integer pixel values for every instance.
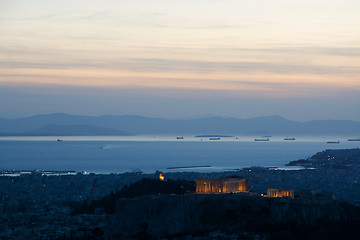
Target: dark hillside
(143, 187)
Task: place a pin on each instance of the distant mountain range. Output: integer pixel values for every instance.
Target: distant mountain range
(68, 130)
(60, 124)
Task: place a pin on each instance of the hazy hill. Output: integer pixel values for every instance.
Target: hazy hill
(119, 125)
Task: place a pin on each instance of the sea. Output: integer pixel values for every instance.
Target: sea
(166, 153)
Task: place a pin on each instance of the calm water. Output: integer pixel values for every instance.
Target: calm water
(151, 153)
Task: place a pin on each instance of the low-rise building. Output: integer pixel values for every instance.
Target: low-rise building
(273, 192)
(225, 185)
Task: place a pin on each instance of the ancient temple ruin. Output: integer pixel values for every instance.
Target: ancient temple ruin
(273, 192)
(226, 185)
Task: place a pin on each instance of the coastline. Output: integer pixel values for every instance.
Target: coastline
(102, 156)
(32, 200)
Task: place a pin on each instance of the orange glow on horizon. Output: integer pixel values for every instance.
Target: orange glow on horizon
(261, 82)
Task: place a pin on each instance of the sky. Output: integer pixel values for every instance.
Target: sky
(174, 59)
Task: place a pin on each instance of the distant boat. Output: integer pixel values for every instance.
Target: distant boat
(333, 141)
(289, 139)
(212, 135)
(236, 137)
(261, 139)
(59, 140)
(354, 139)
(214, 138)
(181, 137)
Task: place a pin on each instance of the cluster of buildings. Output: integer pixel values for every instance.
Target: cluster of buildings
(37, 206)
(234, 185)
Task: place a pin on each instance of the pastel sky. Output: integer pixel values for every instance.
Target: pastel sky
(165, 58)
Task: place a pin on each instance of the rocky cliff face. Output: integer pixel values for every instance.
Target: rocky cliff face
(160, 216)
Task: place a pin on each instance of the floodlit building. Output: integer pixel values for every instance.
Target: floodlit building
(273, 192)
(161, 176)
(226, 185)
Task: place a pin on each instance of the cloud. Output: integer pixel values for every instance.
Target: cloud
(177, 85)
(188, 66)
(95, 15)
(299, 50)
(29, 18)
(203, 26)
(68, 15)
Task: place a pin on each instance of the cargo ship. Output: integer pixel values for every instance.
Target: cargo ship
(289, 139)
(354, 140)
(214, 138)
(261, 139)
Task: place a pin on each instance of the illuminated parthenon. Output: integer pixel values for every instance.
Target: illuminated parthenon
(226, 185)
(234, 185)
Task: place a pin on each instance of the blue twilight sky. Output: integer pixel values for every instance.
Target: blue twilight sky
(239, 58)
